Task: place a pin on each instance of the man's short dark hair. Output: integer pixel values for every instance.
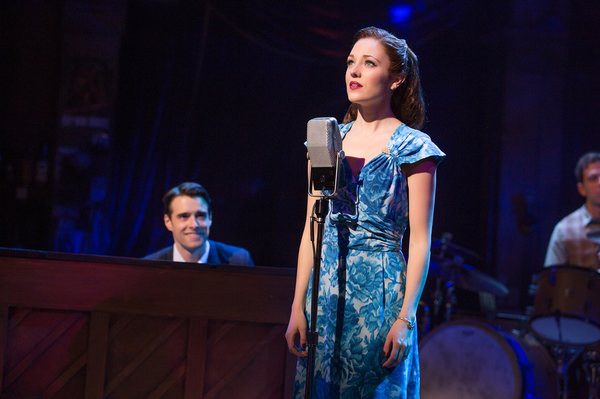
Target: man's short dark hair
(189, 189)
(583, 162)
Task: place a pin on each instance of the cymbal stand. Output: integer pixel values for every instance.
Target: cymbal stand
(438, 296)
(450, 299)
(424, 320)
(591, 366)
(565, 356)
(564, 359)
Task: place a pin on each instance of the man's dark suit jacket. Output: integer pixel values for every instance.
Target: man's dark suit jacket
(219, 254)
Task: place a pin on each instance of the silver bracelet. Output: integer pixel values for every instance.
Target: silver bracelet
(411, 324)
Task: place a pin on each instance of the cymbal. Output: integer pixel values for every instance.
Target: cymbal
(465, 276)
(453, 250)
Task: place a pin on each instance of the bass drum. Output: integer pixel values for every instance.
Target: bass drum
(469, 360)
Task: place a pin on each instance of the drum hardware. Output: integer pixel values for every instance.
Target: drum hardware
(448, 263)
(451, 274)
(445, 248)
(533, 287)
(438, 297)
(465, 276)
(442, 302)
(431, 311)
(528, 312)
(424, 324)
(487, 303)
(447, 272)
(591, 366)
(518, 321)
(565, 356)
(450, 300)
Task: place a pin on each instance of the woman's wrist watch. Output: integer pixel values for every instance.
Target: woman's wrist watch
(409, 323)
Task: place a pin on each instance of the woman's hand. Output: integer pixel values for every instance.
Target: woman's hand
(398, 344)
(297, 327)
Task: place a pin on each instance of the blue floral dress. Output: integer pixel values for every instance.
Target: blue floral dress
(363, 278)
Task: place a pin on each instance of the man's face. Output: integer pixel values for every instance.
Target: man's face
(189, 222)
(590, 186)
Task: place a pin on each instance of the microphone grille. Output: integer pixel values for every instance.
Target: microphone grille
(324, 141)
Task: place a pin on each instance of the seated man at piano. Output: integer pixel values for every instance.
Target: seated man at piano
(188, 216)
(575, 240)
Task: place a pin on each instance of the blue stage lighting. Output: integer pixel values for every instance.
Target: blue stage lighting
(400, 13)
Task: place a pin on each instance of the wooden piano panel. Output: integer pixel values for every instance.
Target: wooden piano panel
(46, 353)
(97, 327)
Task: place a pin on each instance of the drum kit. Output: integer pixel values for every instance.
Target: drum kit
(556, 344)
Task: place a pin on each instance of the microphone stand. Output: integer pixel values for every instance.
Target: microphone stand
(320, 211)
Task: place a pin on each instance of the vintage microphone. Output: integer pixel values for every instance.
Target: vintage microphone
(324, 144)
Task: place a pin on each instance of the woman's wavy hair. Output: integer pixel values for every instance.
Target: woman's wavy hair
(407, 101)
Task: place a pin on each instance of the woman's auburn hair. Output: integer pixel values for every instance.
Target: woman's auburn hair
(407, 101)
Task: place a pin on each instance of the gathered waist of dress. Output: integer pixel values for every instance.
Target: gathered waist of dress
(365, 244)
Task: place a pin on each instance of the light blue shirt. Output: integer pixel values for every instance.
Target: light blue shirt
(569, 244)
(178, 258)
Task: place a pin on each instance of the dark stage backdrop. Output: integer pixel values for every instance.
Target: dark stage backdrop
(220, 94)
(106, 105)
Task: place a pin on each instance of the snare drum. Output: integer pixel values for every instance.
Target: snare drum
(566, 307)
(469, 360)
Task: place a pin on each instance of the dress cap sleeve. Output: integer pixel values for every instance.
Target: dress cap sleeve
(410, 145)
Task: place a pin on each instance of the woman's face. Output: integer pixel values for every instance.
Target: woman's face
(368, 81)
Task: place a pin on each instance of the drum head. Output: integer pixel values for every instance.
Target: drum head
(468, 361)
(573, 331)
